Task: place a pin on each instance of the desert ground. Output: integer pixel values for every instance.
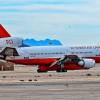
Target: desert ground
(26, 84)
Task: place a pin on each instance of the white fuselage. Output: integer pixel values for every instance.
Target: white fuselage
(46, 55)
(57, 51)
(42, 52)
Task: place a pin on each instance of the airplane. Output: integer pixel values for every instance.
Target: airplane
(48, 58)
(6, 40)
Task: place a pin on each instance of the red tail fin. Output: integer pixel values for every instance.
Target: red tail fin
(3, 32)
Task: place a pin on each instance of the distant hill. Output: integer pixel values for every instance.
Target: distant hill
(46, 42)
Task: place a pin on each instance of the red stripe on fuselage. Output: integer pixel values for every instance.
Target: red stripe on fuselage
(97, 59)
(43, 61)
(34, 61)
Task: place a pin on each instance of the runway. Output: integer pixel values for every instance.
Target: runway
(27, 91)
(25, 84)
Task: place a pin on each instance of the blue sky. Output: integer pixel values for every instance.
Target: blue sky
(73, 22)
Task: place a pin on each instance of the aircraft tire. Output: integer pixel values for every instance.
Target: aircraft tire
(39, 71)
(61, 70)
(58, 70)
(64, 70)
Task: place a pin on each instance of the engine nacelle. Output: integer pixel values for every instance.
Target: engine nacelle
(87, 63)
(11, 42)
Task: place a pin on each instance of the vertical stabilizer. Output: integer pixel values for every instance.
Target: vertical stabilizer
(3, 32)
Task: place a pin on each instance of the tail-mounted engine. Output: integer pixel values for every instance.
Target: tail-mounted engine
(11, 42)
(73, 59)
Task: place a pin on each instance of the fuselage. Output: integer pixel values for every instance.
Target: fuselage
(48, 58)
(40, 55)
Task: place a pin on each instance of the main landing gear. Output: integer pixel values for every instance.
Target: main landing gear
(40, 71)
(57, 68)
(61, 65)
(61, 70)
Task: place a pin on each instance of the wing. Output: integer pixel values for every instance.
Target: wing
(66, 58)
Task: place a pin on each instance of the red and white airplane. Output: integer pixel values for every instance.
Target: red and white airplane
(49, 58)
(7, 41)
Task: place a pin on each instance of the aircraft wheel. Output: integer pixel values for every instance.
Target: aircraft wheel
(39, 71)
(64, 70)
(61, 70)
(58, 70)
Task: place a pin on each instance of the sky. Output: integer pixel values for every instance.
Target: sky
(73, 22)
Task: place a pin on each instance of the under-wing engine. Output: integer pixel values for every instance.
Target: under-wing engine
(73, 59)
(69, 62)
(87, 63)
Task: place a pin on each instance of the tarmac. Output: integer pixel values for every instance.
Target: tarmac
(26, 84)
